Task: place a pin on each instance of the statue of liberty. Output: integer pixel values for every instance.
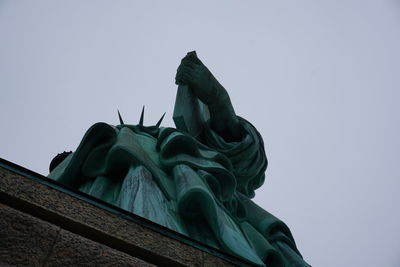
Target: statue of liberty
(197, 179)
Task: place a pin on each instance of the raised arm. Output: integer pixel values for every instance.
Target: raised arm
(203, 84)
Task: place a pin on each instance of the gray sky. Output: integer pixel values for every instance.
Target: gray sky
(319, 79)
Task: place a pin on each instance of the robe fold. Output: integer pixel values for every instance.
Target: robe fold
(200, 187)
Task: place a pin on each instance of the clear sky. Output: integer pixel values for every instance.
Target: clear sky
(319, 79)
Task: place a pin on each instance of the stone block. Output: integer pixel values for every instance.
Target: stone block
(24, 239)
(74, 250)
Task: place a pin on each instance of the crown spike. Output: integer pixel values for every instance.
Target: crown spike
(141, 117)
(159, 122)
(120, 118)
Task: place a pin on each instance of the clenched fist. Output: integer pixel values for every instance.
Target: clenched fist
(194, 73)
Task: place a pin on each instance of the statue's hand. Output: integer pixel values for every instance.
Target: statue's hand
(223, 119)
(194, 73)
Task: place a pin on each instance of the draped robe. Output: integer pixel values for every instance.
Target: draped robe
(198, 186)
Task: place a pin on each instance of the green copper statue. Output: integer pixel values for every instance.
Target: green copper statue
(197, 180)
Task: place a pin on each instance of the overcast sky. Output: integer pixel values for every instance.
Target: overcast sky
(319, 79)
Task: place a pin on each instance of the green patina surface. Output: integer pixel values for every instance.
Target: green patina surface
(197, 179)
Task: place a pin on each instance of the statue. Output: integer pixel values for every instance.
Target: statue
(197, 179)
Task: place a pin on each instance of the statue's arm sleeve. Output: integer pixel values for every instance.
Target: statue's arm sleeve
(247, 155)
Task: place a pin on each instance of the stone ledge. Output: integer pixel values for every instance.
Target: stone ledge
(84, 221)
(29, 241)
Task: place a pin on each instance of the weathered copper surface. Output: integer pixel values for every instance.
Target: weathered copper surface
(197, 179)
